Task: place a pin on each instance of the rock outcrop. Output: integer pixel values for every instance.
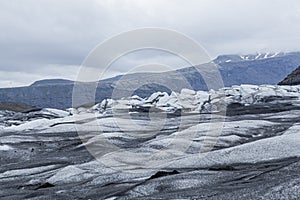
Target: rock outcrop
(292, 79)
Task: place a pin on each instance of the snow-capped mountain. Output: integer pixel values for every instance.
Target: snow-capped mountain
(248, 57)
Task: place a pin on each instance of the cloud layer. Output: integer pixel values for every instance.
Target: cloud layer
(51, 38)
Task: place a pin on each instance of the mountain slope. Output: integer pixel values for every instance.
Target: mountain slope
(292, 79)
(52, 82)
(12, 106)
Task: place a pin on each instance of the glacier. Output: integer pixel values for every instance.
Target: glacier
(236, 142)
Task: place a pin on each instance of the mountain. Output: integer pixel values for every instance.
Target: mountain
(256, 69)
(251, 57)
(52, 82)
(292, 79)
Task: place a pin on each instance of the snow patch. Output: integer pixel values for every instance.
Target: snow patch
(5, 148)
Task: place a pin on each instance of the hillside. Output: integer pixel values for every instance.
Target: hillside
(12, 106)
(292, 79)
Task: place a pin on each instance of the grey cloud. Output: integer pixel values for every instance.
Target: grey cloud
(37, 35)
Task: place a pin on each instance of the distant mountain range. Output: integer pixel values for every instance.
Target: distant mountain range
(257, 69)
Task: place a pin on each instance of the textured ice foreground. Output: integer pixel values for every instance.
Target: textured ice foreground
(177, 146)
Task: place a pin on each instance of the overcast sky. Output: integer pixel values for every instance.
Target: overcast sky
(51, 38)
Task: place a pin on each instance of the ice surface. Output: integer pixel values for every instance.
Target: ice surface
(180, 145)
